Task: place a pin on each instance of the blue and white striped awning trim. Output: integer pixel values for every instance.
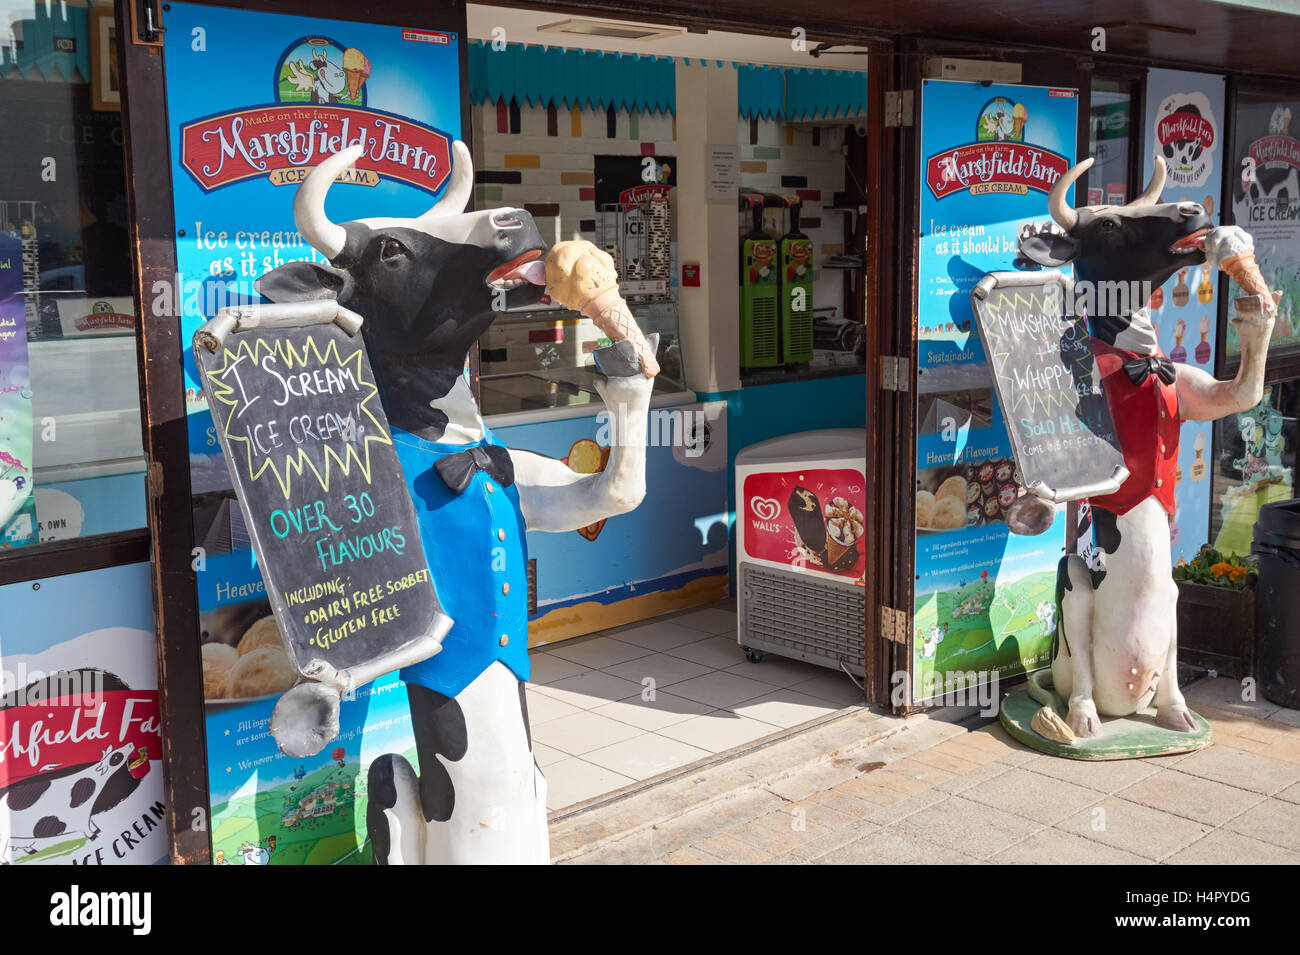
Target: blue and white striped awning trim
(545, 76)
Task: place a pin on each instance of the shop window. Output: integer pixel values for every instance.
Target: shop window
(1108, 141)
(1266, 203)
(1255, 465)
(71, 461)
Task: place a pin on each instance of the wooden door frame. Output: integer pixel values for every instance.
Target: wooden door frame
(160, 355)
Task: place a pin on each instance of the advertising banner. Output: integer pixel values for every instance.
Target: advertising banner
(17, 505)
(80, 745)
(984, 597)
(1184, 125)
(1266, 203)
(255, 102)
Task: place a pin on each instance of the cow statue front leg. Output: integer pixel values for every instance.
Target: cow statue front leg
(1072, 664)
(1171, 709)
(479, 797)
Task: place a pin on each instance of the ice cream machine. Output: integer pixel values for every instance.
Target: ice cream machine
(776, 288)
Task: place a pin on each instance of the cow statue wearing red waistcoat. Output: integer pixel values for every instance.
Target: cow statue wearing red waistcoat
(1116, 647)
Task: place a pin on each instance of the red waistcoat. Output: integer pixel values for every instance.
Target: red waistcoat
(1147, 423)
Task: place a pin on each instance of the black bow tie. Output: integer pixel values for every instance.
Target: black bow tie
(1138, 369)
(457, 470)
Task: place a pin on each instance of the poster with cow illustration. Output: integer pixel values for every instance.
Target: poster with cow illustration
(1184, 120)
(80, 744)
(255, 101)
(1266, 202)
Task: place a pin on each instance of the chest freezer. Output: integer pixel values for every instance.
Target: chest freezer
(800, 548)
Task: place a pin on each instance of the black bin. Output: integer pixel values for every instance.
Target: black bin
(1277, 602)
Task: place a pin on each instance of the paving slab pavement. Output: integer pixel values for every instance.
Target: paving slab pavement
(868, 788)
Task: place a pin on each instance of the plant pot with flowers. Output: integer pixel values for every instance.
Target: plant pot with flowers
(1216, 612)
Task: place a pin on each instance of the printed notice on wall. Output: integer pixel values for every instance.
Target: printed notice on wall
(722, 162)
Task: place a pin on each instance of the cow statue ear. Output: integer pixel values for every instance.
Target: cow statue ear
(303, 281)
(1049, 248)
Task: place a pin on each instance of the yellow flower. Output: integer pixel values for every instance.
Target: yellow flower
(1219, 569)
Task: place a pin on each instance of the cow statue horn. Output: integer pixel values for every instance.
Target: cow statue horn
(1061, 210)
(1151, 195)
(326, 237)
(459, 187)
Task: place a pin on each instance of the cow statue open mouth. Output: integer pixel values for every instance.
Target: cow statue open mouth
(428, 288)
(1115, 651)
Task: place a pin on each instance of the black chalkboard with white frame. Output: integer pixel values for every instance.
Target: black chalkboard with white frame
(1046, 379)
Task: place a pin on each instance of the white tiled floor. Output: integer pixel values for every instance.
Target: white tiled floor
(633, 702)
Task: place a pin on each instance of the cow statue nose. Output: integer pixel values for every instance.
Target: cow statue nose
(1191, 208)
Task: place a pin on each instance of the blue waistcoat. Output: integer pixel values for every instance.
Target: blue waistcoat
(478, 556)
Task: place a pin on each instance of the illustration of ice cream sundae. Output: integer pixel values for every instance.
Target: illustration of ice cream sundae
(843, 531)
(1178, 353)
(1205, 291)
(1180, 290)
(1203, 349)
(1199, 466)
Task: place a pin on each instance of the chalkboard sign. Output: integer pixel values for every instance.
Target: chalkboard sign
(1048, 385)
(297, 412)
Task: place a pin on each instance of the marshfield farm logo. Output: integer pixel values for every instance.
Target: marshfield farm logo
(320, 108)
(999, 160)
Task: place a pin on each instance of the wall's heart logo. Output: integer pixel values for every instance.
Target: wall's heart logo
(764, 508)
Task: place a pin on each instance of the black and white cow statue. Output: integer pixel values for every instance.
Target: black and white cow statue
(428, 288)
(1116, 651)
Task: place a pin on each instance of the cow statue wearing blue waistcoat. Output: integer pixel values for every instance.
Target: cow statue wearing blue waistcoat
(428, 287)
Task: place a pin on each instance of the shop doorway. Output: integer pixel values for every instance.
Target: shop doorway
(194, 252)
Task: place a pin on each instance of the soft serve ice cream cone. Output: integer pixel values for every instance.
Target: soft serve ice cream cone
(582, 277)
(1231, 249)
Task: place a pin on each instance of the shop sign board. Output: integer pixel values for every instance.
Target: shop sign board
(324, 499)
(1046, 379)
(984, 596)
(255, 100)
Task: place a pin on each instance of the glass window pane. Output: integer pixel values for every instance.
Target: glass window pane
(1108, 141)
(1255, 465)
(71, 461)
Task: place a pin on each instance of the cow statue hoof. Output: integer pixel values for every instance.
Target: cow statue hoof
(1177, 718)
(1083, 718)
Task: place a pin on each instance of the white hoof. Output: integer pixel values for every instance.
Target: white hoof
(1083, 718)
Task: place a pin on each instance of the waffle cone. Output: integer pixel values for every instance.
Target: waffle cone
(1247, 274)
(612, 316)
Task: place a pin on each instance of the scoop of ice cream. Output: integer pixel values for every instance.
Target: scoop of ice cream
(577, 271)
(354, 59)
(1224, 242)
(218, 658)
(1205, 324)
